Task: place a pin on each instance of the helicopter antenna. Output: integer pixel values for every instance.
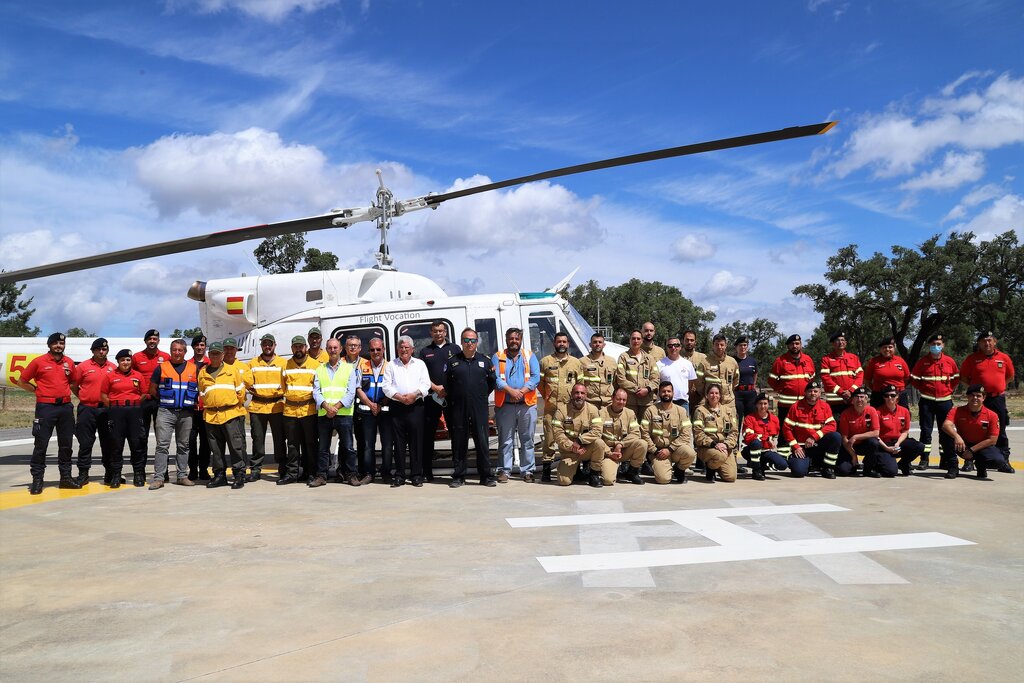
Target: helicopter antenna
(386, 205)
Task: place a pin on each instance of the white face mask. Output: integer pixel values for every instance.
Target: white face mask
(936, 350)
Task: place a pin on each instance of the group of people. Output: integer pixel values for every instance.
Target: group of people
(656, 412)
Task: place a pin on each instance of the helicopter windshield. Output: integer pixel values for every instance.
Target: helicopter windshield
(576, 320)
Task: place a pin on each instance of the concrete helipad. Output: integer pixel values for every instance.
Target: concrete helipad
(340, 583)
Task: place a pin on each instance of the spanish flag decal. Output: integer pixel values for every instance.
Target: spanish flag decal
(235, 305)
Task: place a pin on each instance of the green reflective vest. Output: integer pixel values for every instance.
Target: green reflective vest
(334, 388)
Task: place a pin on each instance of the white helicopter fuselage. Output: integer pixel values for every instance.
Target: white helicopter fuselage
(365, 302)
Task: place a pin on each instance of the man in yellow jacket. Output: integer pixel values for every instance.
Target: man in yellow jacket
(266, 407)
(223, 393)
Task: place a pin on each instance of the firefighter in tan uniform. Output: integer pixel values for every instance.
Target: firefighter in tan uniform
(577, 432)
(620, 434)
(638, 374)
(649, 347)
(716, 434)
(598, 373)
(558, 373)
(720, 369)
(665, 428)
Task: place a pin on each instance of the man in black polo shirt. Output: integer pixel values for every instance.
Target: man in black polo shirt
(435, 356)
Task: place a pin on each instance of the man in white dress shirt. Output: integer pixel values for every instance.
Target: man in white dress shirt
(406, 382)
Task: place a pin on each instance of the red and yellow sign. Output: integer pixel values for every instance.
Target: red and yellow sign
(16, 362)
(236, 305)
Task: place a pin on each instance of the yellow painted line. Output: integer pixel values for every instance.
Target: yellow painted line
(16, 499)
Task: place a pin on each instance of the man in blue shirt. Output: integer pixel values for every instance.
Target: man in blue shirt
(515, 403)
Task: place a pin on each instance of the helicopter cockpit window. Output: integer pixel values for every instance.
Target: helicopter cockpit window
(487, 331)
(365, 334)
(419, 330)
(542, 334)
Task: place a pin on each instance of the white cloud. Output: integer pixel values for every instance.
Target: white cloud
(896, 143)
(693, 247)
(956, 169)
(950, 88)
(267, 10)
(972, 199)
(1003, 214)
(510, 221)
(725, 283)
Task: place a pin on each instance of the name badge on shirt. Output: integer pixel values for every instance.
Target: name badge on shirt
(480, 363)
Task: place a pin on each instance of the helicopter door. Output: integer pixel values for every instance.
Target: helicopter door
(484, 319)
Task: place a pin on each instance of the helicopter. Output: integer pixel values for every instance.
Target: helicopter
(372, 302)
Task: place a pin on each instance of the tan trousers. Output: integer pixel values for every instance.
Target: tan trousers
(549, 435)
(680, 459)
(715, 459)
(631, 455)
(570, 462)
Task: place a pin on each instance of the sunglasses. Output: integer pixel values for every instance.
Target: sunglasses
(466, 340)
(673, 345)
(891, 395)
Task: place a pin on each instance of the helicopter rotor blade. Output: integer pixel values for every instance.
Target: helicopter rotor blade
(696, 148)
(340, 218)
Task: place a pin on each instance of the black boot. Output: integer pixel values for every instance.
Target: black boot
(594, 479)
(545, 474)
(1006, 468)
(254, 475)
(923, 465)
(583, 473)
(981, 469)
(679, 475)
(115, 479)
(68, 482)
(828, 473)
(647, 469)
(36, 487)
(632, 475)
(139, 479)
(968, 466)
(757, 472)
(219, 479)
(239, 479)
(905, 468)
(709, 475)
(83, 476)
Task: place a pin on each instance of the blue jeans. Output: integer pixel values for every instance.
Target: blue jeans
(326, 426)
(512, 419)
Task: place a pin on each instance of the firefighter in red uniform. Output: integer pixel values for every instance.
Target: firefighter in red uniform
(993, 370)
(87, 384)
(122, 391)
(887, 369)
(935, 375)
(810, 432)
(51, 373)
(975, 431)
(894, 431)
(145, 362)
(841, 375)
(859, 428)
(790, 375)
(761, 432)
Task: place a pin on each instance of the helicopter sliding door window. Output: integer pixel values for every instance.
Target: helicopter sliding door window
(542, 334)
(419, 330)
(487, 333)
(365, 334)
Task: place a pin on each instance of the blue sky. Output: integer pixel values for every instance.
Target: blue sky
(127, 123)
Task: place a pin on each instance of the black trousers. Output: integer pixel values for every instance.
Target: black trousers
(198, 446)
(50, 416)
(746, 404)
(431, 418)
(875, 459)
(407, 427)
(302, 445)
(910, 450)
(149, 409)
(930, 415)
(231, 435)
(470, 419)
(258, 423)
(90, 420)
(126, 425)
(997, 404)
(371, 427)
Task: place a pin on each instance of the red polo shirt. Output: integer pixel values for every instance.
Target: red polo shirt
(89, 376)
(120, 387)
(146, 364)
(974, 428)
(991, 372)
(852, 424)
(892, 424)
(52, 378)
(881, 371)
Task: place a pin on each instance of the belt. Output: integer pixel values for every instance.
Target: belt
(418, 402)
(746, 387)
(266, 399)
(89, 404)
(366, 408)
(220, 408)
(298, 403)
(53, 401)
(125, 403)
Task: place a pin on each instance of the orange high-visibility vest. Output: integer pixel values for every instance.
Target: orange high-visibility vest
(530, 397)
